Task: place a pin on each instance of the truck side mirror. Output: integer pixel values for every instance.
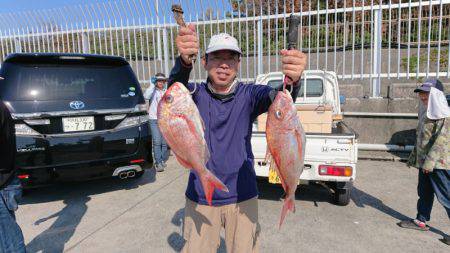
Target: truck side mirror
(342, 99)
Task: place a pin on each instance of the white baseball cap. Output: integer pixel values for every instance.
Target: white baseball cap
(223, 41)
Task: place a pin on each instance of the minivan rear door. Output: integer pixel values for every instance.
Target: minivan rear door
(74, 107)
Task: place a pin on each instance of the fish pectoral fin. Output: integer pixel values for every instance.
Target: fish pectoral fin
(192, 126)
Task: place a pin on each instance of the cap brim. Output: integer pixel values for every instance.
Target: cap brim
(223, 47)
(425, 89)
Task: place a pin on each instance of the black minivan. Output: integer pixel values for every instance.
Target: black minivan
(77, 117)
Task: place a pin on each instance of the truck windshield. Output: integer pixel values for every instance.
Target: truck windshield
(29, 82)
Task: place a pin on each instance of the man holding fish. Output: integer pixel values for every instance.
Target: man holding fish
(209, 126)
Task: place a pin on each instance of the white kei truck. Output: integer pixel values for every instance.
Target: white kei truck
(331, 150)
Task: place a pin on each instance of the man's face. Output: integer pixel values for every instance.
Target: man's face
(160, 84)
(222, 67)
(423, 96)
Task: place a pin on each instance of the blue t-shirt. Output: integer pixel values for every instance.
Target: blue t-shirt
(228, 130)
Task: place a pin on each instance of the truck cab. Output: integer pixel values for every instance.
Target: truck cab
(331, 146)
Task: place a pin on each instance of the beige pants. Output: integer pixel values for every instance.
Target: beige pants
(202, 225)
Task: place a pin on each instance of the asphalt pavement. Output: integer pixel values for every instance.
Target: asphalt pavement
(145, 215)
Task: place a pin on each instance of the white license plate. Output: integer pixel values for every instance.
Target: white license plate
(78, 124)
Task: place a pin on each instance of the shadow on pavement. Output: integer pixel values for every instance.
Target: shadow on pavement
(362, 199)
(312, 192)
(75, 196)
(65, 190)
(176, 240)
(59, 233)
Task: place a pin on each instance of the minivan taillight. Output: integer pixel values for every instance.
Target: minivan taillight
(337, 171)
(24, 130)
(133, 121)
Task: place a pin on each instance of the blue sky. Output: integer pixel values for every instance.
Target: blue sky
(25, 5)
(8, 6)
(29, 12)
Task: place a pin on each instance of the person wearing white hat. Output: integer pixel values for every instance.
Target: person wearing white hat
(153, 95)
(228, 108)
(431, 154)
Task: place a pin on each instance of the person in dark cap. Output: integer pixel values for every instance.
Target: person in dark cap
(11, 237)
(154, 94)
(431, 154)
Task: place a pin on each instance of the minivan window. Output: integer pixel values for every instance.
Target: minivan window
(314, 87)
(65, 82)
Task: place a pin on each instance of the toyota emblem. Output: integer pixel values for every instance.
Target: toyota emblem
(76, 105)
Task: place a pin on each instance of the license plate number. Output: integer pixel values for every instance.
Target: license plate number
(78, 124)
(273, 175)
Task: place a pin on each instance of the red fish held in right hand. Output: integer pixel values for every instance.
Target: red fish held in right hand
(286, 144)
(182, 127)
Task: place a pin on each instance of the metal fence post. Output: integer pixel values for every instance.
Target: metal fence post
(260, 47)
(158, 43)
(166, 51)
(17, 45)
(377, 38)
(85, 43)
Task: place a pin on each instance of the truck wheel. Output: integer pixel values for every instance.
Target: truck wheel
(342, 197)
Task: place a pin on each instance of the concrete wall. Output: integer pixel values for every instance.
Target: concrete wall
(401, 99)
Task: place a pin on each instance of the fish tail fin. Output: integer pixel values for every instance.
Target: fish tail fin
(289, 204)
(209, 183)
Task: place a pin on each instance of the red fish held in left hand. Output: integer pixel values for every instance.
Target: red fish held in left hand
(182, 127)
(286, 144)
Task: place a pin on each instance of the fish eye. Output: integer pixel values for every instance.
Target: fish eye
(169, 99)
(278, 114)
